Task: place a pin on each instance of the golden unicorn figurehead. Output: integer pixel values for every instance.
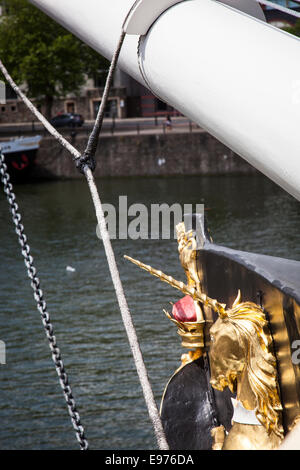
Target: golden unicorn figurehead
(241, 358)
(241, 355)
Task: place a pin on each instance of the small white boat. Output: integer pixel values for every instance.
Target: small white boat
(20, 154)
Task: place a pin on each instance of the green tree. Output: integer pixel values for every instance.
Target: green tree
(295, 30)
(42, 55)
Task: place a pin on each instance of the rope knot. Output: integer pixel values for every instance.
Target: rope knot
(85, 160)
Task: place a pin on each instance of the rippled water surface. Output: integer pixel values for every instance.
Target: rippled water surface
(247, 213)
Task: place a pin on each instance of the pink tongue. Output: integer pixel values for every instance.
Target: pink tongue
(184, 310)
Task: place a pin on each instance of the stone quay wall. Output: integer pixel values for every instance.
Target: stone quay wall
(166, 154)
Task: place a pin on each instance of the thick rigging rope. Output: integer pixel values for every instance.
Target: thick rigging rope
(94, 137)
(86, 165)
(126, 316)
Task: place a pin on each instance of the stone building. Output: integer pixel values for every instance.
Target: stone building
(140, 101)
(85, 103)
(127, 99)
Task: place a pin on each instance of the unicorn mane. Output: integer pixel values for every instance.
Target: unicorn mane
(249, 322)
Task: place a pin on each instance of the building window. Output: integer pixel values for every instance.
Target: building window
(70, 107)
(111, 109)
(3, 109)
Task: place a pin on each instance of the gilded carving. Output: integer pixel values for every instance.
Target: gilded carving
(187, 254)
(241, 359)
(241, 356)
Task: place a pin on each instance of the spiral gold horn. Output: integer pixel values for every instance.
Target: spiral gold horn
(187, 290)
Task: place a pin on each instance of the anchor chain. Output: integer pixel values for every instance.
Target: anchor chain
(42, 306)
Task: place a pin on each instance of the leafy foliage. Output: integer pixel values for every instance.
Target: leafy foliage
(295, 30)
(42, 54)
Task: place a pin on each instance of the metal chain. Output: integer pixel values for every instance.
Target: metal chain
(42, 306)
(85, 163)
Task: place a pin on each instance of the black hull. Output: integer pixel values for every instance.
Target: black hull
(20, 164)
(190, 406)
(273, 283)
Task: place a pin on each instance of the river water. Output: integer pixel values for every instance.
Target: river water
(247, 213)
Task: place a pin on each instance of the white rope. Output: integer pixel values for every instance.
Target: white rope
(126, 316)
(125, 313)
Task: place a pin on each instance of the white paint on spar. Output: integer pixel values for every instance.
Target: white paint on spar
(224, 82)
(144, 13)
(234, 75)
